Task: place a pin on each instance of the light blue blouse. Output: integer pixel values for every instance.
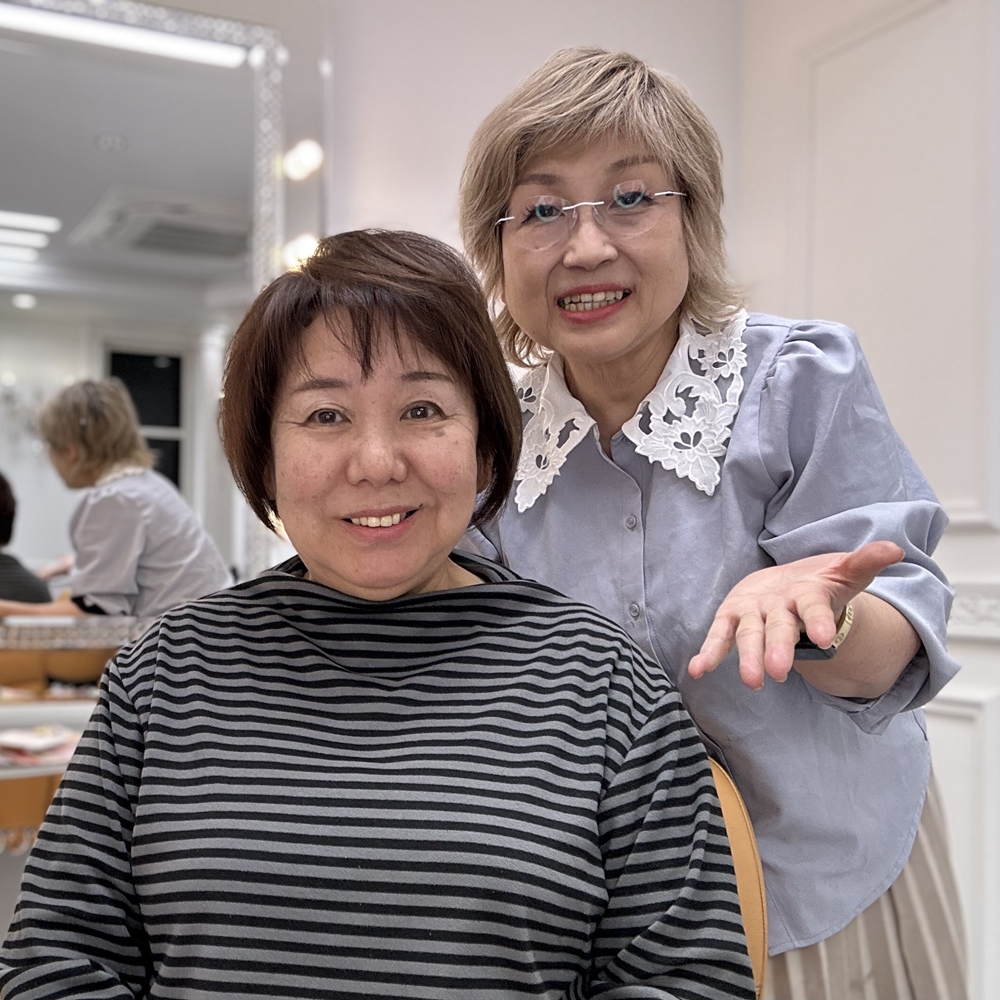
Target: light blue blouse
(762, 443)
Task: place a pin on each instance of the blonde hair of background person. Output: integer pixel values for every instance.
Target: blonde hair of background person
(90, 426)
(138, 548)
(728, 463)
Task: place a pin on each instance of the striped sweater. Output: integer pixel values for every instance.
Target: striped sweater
(477, 794)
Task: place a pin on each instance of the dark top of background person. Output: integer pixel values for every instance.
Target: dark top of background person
(16, 582)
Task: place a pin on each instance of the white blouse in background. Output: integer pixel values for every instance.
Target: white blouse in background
(139, 548)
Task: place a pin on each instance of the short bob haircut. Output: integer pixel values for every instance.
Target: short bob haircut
(98, 418)
(375, 288)
(579, 97)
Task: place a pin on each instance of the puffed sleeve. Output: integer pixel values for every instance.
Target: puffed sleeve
(672, 925)
(77, 929)
(108, 534)
(842, 478)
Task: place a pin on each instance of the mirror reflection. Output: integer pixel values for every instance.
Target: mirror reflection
(126, 211)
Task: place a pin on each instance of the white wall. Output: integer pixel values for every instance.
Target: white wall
(412, 81)
(870, 195)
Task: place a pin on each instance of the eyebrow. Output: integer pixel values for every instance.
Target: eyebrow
(630, 161)
(320, 382)
(538, 178)
(422, 376)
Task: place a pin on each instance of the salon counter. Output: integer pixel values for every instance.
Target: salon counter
(48, 671)
(87, 632)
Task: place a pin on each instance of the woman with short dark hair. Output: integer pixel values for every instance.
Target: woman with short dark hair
(384, 768)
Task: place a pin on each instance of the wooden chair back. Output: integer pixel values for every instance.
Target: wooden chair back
(749, 873)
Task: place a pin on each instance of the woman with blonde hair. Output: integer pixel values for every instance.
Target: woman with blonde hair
(138, 547)
(727, 487)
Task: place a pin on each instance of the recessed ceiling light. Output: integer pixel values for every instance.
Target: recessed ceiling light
(26, 254)
(121, 36)
(22, 220)
(24, 301)
(303, 159)
(23, 238)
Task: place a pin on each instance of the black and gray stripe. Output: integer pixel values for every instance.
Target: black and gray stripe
(285, 792)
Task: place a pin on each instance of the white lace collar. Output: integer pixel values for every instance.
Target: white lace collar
(683, 424)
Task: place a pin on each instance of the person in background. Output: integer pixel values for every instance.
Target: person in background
(16, 582)
(717, 482)
(384, 768)
(138, 547)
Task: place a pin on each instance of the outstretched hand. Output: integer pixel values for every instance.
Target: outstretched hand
(765, 612)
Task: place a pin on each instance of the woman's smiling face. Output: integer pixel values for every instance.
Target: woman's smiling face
(642, 279)
(375, 479)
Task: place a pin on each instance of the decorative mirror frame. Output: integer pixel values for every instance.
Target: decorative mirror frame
(265, 56)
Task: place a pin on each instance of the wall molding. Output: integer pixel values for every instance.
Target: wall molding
(831, 45)
(976, 612)
(968, 776)
(982, 513)
(861, 30)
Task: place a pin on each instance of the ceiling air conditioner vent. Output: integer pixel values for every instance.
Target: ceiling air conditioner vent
(165, 222)
(170, 237)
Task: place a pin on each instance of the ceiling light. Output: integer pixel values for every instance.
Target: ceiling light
(120, 36)
(39, 223)
(23, 238)
(297, 250)
(24, 301)
(303, 159)
(26, 254)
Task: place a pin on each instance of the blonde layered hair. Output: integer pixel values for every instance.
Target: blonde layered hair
(99, 420)
(579, 97)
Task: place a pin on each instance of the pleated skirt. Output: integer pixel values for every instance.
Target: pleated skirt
(908, 945)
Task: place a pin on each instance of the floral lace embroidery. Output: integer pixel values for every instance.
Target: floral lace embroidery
(684, 423)
(557, 425)
(688, 417)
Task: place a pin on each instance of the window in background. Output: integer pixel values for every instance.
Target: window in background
(154, 382)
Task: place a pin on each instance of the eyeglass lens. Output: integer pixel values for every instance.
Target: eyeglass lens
(543, 221)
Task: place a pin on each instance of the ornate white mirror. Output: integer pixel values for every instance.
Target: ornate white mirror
(138, 152)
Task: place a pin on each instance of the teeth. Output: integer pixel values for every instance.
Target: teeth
(378, 522)
(585, 301)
